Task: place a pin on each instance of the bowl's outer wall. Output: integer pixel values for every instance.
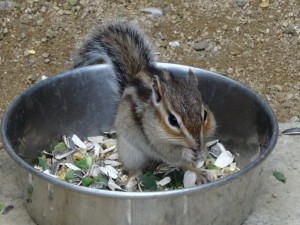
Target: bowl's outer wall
(226, 204)
(84, 101)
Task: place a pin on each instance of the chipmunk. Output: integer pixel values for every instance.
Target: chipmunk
(159, 117)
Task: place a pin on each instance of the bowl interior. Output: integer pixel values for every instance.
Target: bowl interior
(83, 101)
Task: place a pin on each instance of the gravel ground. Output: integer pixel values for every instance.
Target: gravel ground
(257, 46)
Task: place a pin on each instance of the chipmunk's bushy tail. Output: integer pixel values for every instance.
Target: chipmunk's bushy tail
(120, 43)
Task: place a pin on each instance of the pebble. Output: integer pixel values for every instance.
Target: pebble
(73, 2)
(26, 53)
(50, 33)
(278, 87)
(44, 40)
(229, 71)
(242, 3)
(47, 60)
(6, 5)
(186, 5)
(31, 79)
(290, 30)
(45, 55)
(225, 27)
(43, 9)
(154, 12)
(200, 46)
(274, 195)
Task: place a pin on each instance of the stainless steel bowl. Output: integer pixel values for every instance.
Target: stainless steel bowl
(83, 101)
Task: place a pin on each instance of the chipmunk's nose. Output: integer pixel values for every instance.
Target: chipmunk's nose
(195, 149)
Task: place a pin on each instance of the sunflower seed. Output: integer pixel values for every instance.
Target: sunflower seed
(113, 186)
(96, 139)
(154, 12)
(189, 179)
(224, 159)
(112, 162)
(6, 209)
(164, 181)
(78, 142)
(72, 166)
(108, 172)
(292, 131)
(132, 184)
(97, 149)
(113, 156)
(62, 153)
(217, 149)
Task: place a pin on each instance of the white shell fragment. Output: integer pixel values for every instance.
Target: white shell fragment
(110, 142)
(72, 166)
(113, 186)
(164, 181)
(95, 171)
(97, 149)
(112, 169)
(217, 149)
(108, 149)
(224, 159)
(62, 154)
(112, 162)
(174, 43)
(96, 139)
(97, 157)
(189, 179)
(155, 12)
(113, 132)
(66, 141)
(48, 173)
(109, 172)
(89, 145)
(78, 142)
(113, 156)
(132, 184)
(211, 143)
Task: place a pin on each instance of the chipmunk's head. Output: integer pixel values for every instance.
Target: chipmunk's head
(186, 122)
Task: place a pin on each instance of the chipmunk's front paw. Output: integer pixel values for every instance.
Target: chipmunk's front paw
(196, 158)
(189, 155)
(205, 176)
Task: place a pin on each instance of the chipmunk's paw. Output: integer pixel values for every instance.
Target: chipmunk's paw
(205, 176)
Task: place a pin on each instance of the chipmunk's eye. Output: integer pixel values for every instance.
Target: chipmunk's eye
(173, 121)
(204, 115)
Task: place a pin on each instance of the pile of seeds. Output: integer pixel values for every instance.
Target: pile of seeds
(94, 163)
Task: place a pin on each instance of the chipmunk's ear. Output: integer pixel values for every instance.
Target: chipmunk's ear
(192, 78)
(156, 90)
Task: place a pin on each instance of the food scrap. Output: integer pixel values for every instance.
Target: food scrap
(279, 176)
(94, 163)
(5, 209)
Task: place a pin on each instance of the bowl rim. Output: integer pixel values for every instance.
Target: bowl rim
(134, 195)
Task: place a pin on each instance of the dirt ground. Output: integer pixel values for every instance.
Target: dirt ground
(257, 46)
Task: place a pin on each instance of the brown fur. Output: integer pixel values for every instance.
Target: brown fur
(148, 96)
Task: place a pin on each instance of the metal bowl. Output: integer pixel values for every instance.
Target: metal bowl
(83, 101)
